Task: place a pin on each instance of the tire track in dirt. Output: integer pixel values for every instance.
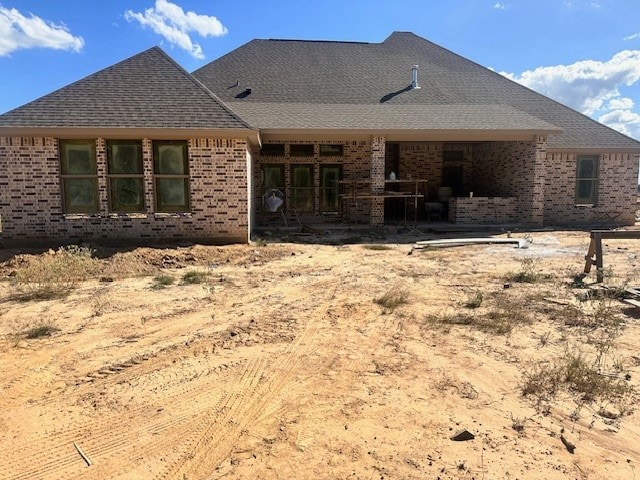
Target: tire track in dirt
(210, 446)
(237, 405)
(100, 439)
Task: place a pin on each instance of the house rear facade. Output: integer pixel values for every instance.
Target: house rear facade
(316, 131)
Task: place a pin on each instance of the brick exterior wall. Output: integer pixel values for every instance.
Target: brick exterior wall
(31, 197)
(355, 163)
(483, 210)
(425, 160)
(512, 169)
(377, 179)
(512, 182)
(617, 191)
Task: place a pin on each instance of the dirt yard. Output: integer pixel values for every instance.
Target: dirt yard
(302, 361)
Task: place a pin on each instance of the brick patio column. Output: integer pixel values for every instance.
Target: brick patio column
(539, 180)
(377, 179)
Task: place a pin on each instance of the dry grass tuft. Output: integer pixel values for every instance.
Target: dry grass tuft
(55, 274)
(392, 299)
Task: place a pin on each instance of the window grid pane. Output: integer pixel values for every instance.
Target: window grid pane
(127, 194)
(124, 158)
(331, 150)
(273, 179)
(80, 195)
(78, 169)
(172, 194)
(587, 180)
(171, 169)
(330, 188)
(302, 191)
(126, 181)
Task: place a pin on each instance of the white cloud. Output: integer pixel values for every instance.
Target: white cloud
(621, 103)
(623, 120)
(500, 6)
(171, 22)
(18, 32)
(632, 37)
(589, 86)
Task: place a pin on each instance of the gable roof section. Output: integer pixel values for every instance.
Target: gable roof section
(314, 84)
(148, 91)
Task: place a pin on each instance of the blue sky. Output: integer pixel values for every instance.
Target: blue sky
(584, 53)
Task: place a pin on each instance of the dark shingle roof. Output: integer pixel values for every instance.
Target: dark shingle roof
(148, 90)
(282, 73)
(389, 117)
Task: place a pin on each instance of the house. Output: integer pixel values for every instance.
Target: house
(325, 131)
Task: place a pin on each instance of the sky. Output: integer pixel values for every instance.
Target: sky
(583, 53)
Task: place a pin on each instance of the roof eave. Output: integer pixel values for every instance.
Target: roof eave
(129, 133)
(595, 150)
(408, 135)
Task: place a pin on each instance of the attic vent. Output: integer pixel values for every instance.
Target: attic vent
(414, 77)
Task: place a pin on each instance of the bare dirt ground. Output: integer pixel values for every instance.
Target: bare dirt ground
(282, 365)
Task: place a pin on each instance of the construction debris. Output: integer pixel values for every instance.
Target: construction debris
(633, 294)
(459, 242)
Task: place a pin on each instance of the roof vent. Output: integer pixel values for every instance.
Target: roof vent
(414, 77)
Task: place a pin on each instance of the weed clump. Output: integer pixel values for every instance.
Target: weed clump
(392, 299)
(577, 375)
(55, 274)
(193, 277)
(39, 331)
(162, 281)
(475, 301)
(377, 246)
(528, 273)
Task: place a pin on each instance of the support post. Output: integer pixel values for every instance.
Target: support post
(377, 180)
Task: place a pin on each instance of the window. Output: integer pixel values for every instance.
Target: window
(452, 155)
(587, 180)
(273, 149)
(272, 187)
(330, 188)
(79, 176)
(302, 190)
(330, 150)
(301, 150)
(171, 176)
(126, 180)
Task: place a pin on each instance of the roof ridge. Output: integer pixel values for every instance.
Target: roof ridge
(316, 41)
(200, 85)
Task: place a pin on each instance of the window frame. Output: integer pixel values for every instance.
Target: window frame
(159, 177)
(593, 180)
(113, 177)
(298, 192)
(281, 186)
(336, 188)
(331, 150)
(272, 150)
(304, 150)
(67, 178)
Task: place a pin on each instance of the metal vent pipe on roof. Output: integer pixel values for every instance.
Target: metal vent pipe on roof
(414, 77)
